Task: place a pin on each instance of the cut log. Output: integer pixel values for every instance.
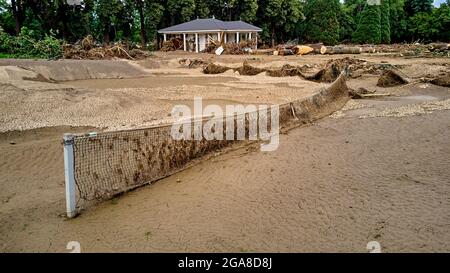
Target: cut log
(343, 50)
(302, 50)
(285, 52)
(439, 46)
(263, 52)
(318, 48)
(368, 50)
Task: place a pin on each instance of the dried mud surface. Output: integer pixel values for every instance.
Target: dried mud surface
(376, 170)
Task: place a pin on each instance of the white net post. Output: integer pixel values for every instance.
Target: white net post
(69, 175)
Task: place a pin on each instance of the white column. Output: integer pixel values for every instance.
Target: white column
(249, 35)
(225, 37)
(196, 42)
(256, 43)
(165, 37)
(69, 175)
(184, 41)
(218, 37)
(237, 37)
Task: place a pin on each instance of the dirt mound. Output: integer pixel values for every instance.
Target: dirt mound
(333, 69)
(391, 78)
(328, 74)
(192, 63)
(286, 70)
(359, 93)
(442, 81)
(248, 70)
(138, 54)
(16, 73)
(69, 70)
(215, 69)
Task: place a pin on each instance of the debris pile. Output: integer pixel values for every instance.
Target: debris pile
(87, 49)
(416, 49)
(232, 49)
(413, 50)
(172, 44)
(291, 48)
(244, 47)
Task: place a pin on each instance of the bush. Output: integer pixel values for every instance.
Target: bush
(24, 46)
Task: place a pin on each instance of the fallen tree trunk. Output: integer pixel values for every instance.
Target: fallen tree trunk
(342, 50)
(285, 52)
(368, 50)
(302, 50)
(318, 48)
(439, 46)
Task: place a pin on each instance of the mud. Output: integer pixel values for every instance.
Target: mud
(215, 69)
(390, 78)
(442, 80)
(286, 70)
(249, 70)
(69, 70)
(194, 63)
(139, 157)
(378, 170)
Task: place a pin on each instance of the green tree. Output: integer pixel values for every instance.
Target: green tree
(247, 10)
(398, 20)
(321, 23)
(201, 9)
(415, 6)
(442, 21)
(385, 22)
(431, 26)
(154, 13)
(368, 30)
(421, 26)
(6, 18)
(279, 19)
(181, 10)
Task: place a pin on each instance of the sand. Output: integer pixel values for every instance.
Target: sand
(333, 186)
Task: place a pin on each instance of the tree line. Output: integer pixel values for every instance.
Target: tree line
(137, 21)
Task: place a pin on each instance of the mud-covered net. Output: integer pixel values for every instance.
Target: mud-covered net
(109, 163)
(114, 162)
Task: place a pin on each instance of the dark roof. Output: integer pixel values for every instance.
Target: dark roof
(210, 24)
(240, 25)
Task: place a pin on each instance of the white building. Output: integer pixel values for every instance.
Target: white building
(198, 33)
